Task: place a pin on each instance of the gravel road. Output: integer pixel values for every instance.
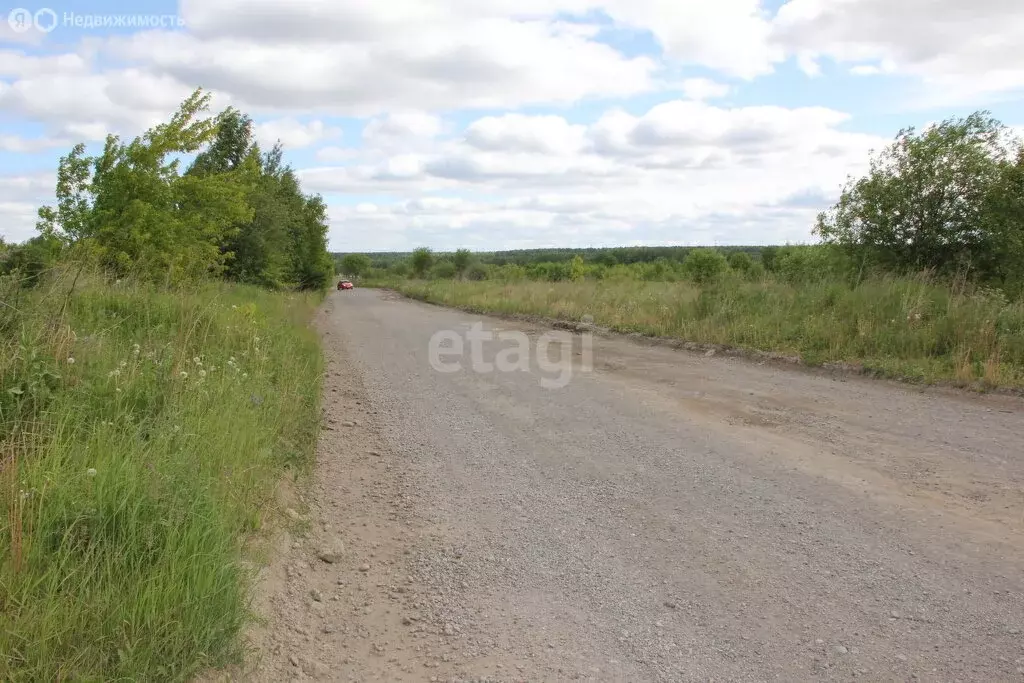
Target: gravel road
(666, 516)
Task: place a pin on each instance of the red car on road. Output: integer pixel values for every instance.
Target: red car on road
(345, 284)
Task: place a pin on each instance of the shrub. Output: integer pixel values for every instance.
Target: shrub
(552, 272)
(461, 260)
(705, 265)
(741, 262)
(445, 270)
(421, 261)
(30, 261)
(477, 271)
(805, 264)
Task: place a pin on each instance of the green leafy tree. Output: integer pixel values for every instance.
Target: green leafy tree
(421, 261)
(230, 147)
(235, 212)
(577, 271)
(261, 250)
(70, 221)
(284, 242)
(312, 267)
(137, 210)
(461, 261)
(355, 265)
(937, 199)
(1006, 216)
(257, 251)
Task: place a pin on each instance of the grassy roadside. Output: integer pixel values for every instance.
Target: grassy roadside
(142, 434)
(905, 328)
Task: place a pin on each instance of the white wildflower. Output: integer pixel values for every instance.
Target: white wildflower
(197, 360)
(71, 361)
(91, 471)
(184, 375)
(202, 373)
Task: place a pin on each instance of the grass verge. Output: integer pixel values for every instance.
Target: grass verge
(910, 329)
(142, 435)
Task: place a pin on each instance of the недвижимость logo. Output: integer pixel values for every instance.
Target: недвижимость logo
(22, 20)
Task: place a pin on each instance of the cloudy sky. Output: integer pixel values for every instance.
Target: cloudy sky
(495, 124)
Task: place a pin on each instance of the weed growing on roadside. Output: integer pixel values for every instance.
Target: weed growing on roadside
(134, 466)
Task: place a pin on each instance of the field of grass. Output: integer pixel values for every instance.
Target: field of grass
(907, 328)
(142, 436)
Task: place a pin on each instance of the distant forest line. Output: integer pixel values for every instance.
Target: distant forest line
(595, 255)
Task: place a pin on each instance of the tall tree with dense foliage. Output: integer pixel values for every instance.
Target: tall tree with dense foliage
(576, 268)
(312, 265)
(355, 265)
(235, 212)
(946, 198)
(284, 243)
(421, 261)
(461, 260)
(132, 208)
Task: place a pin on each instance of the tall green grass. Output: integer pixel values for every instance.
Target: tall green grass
(901, 327)
(142, 435)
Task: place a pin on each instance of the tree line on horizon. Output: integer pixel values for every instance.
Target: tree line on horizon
(793, 263)
(947, 200)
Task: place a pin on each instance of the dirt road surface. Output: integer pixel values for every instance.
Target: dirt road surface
(665, 517)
